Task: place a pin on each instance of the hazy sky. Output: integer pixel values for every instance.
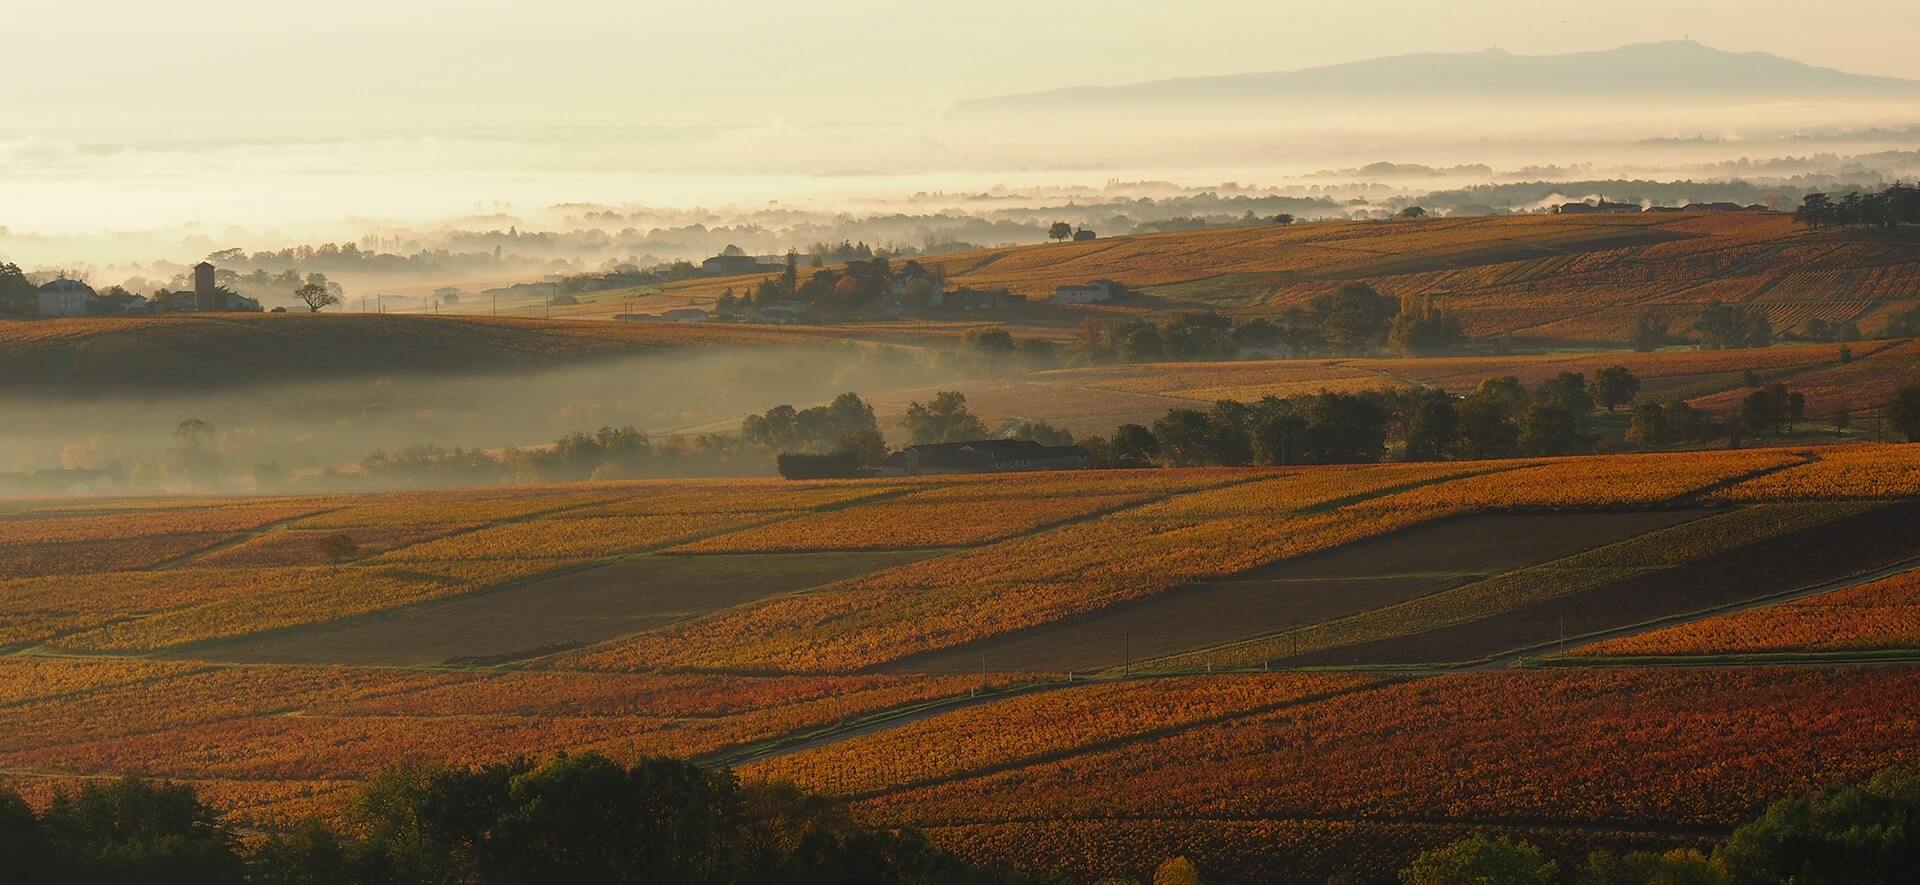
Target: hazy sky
(224, 64)
(135, 115)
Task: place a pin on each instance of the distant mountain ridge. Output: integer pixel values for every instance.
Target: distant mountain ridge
(1672, 70)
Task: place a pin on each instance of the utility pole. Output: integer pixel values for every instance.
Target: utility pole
(1126, 652)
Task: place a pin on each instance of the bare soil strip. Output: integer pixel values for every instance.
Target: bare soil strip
(580, 607)
(1374, 573)
(1812, 556)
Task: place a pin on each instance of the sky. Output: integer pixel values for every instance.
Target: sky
(132, 115)
(407, 65)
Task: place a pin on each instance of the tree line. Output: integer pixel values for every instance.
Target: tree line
(586, 819)
(1898, 204)
(577, 819)
(1500, 418)
(1869, 833)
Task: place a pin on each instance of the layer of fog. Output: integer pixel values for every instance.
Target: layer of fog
(301, 428)
(79, 201)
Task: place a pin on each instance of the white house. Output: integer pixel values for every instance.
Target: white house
(66, 298)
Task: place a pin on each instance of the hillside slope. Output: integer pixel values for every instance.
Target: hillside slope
(1549, 278)
(218, 350)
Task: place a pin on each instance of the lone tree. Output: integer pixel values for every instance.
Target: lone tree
(316, 296)
(1060, 231)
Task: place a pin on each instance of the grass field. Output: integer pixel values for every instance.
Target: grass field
(1260, 668)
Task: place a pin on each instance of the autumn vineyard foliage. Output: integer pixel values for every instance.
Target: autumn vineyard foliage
(1579, 278)
(213, 641)
(1882, 614)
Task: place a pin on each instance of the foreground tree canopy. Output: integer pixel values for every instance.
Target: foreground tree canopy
(576, 819)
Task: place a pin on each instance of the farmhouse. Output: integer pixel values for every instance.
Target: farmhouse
(66, 298)
(978, 299)
(1092, 292)
(987, 456)
(734, 265)
(1595, 208)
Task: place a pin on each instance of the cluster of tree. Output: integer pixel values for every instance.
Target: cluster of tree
(1842, 834)
(945, 419)
(17, 293)
(845, 429)
(1727, 327)
(1896, 205)
(1499, 419)
(848, 439)
(845, 426)
(1353, 319)
(858, 285)
(579, 819)
(606, 454)
(1731, 327)
(289, 283)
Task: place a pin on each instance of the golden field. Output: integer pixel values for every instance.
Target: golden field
(834, 633)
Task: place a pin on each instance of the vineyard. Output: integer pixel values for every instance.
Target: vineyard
(1262, 669)
(1552, 278)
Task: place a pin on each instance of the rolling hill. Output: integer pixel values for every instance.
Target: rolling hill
(1665, 71)
(1545, 279)
(200, 351)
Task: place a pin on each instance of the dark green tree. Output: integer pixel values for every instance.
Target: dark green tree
(1903, 414)
(1548, 428)
(1134, 445)
(1430, 424)
(1187, 438)
(1480, 860)
(26, 854)
(1354, 317)
(132, 831)
(1842, 834)
(1614, 386)
(1489, 419)
(944, 420)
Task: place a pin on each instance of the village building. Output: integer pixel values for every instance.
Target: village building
(986, 456)
(1602, 207)
(66, 298)
(978, 299)
(735, 265)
